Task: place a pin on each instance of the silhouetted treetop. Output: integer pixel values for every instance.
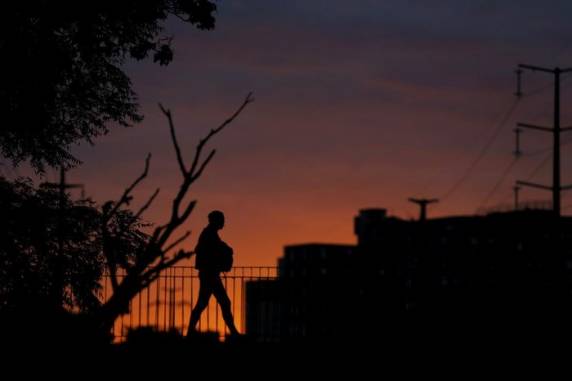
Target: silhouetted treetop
(39, 232)
(62, 80)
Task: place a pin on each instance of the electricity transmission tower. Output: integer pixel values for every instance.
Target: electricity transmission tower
(556, 187)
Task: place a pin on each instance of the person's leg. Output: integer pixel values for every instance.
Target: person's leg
(223, 300)
(205, 291)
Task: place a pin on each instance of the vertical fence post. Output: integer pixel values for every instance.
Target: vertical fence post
(169, 298)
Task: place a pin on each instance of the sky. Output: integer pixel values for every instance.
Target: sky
(358, 104)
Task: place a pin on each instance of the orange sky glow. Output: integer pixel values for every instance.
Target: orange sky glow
(354, 109)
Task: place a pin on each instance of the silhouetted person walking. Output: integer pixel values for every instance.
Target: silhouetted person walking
(213, 257)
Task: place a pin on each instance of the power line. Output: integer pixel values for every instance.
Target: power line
(483, 151)
(495, 135)
(499, 182)
(540, 89)
(531, 175)
(511, 165)
(541, 165)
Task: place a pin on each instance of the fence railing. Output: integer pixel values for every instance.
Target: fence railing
(167, 302)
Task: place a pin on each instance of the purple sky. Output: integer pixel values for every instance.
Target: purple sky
(358, 104)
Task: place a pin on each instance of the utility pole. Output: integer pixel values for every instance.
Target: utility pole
(556, 187)
(516, 189)
(61, 186)
(423, 202)
(517, 152)
(518, 93)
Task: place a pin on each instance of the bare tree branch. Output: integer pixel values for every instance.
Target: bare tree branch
(125, 197)
(109, 258)
(146, 205)
(178, 241)
(156, 270)
(112, 274)
(151, 258)
(180, 160)
(147, 281)
(204, 164)
(247, 100)
(215, 131)
(188, 210)
(194, 173)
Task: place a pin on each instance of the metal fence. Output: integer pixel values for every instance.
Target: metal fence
(166, 303)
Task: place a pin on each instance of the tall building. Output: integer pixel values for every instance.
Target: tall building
(304, 301)
(500, 268)
(314, 260)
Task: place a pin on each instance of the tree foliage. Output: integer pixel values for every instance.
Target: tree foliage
(61, 76)
(50, 242)
(40, 233)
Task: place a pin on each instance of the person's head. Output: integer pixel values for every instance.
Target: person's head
(216, 219)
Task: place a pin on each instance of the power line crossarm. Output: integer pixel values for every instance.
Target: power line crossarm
(534, 185)
(535, 127)
(546, 70)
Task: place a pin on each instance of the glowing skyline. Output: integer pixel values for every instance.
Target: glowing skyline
(355, 108)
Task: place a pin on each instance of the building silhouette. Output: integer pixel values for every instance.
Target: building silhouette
(492, 272)
(303, 302)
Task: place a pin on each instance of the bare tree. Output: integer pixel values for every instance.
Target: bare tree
(156, 252)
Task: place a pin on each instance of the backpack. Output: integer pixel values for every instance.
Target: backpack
(225, 258)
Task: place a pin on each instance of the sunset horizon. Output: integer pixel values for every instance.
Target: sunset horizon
(241, 177)
(351, 112)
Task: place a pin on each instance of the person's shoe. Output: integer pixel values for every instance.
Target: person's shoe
(234, 336)
(191, 333)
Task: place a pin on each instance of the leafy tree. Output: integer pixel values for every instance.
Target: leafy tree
(55, 251)
(61, 76)
(52, 250)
